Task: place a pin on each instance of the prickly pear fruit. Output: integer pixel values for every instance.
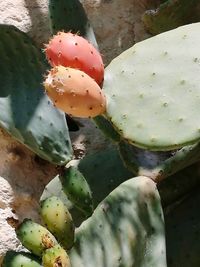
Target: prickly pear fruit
(54, 257)
(74, 92)
(58, 220)
(72, 50)
(20, 259)
(77, 189)
(35, 237)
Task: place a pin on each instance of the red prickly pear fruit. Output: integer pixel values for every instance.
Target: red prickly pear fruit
(74, 92)
(72, 50)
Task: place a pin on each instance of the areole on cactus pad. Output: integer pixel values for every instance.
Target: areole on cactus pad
(74, 92)
(72, 50)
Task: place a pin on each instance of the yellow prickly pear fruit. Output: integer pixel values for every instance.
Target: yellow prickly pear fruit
(55, 257)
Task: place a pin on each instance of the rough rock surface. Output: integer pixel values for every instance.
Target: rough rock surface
(23, 175)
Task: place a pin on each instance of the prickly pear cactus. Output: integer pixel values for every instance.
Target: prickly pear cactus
(25, 110)
(144, 86)
(103, 171)
(20, 259)
(126, 229)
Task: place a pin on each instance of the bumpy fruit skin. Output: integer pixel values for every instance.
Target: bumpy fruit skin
(55, 257)
(74, 92)
(58, 220)
(72, 50)
(35, 237)
(20, 259)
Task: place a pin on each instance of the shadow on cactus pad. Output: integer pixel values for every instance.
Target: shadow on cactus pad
(126, 229)
(25, 110)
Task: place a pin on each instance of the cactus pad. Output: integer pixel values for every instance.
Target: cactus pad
(25, 110)
(153, 90)
(126, 229)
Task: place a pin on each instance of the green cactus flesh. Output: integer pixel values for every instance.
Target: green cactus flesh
(171, 14)
(58, 220)
(158, 164)
(55, 257)
(183, 232)
(126, 229)
(35, 237)
(20, 259)
(77, 189)
(25, 110)
(153, 90)
(69, 15)
(104, 171)
(107, 128)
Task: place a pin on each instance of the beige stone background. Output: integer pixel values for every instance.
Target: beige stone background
(117, 24)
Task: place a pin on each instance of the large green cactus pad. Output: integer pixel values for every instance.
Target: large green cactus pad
(25, 110)
(153, 90)
(126, 229)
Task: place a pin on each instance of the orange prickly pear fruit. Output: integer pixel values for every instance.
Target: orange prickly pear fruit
(74, 92)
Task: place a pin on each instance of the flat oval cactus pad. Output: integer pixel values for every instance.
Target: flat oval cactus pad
(153, 90)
